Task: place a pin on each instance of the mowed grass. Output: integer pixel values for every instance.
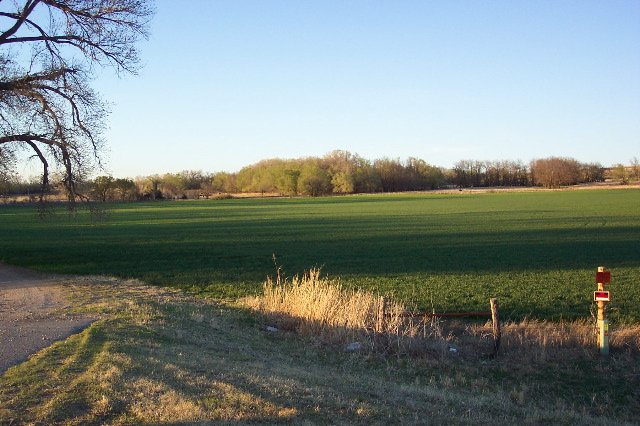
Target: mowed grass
(537, 252)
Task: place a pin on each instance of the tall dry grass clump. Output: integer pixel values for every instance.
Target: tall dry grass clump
(317, 306)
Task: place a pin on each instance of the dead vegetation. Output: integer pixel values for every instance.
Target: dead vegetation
(315, 306)
(538, 360)
(158, 356)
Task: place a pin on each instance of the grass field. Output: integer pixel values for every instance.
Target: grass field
(537, 252)
(160, 356)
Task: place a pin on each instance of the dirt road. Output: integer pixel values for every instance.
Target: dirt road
(30, 317)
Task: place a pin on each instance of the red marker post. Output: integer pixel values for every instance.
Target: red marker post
(601, 297)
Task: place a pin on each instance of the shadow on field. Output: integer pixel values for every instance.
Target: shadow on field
(538, 252)
(244, 251)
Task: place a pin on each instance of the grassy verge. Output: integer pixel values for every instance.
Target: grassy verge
(158, 356)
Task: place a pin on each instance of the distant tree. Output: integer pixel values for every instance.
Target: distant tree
(365, 177)
(343, 183)
(289, 182)
(149, 187)
(518, 174)
(264, 183)
(591, 172)
(224, 182)
(314, 180)
(467, 173)
(414, 174)
(49, 50)
(391, 173)
(126, 189)
(503, 173)
(553, 172)
(620, 173)
(338, 160)
(493, 174)
(423, 175)
(340, 167)
(259, 177)
(173, 186)
(102, 188)
(477, 172)
(193, 179)
(635, 168)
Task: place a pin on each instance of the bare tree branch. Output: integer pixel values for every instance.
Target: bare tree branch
(20, 19)
(43, 160)
(46, 103)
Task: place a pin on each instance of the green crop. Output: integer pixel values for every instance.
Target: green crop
(537, 252)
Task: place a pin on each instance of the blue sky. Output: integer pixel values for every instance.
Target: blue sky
(228, 83)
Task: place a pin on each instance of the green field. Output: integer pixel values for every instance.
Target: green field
(537, 252)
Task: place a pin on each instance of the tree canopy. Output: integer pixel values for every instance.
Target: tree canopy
(49, 52)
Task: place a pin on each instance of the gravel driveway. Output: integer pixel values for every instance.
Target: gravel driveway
(30, 317)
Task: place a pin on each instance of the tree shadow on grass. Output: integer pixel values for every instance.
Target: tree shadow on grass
(168, 360)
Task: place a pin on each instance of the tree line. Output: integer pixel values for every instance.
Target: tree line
(549, 172)
(341, 172)
(50, 51)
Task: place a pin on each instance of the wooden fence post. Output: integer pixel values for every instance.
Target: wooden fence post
(380, 323)
(495, 319)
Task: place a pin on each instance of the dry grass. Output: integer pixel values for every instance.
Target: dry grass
(158, 356)
(537, 342)
(317, 306)
(537, 358)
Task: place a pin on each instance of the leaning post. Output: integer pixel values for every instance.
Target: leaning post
(495, 321)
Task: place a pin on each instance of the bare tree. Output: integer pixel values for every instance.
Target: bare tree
(554, 172)
(49, 51)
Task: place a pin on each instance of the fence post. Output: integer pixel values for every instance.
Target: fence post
(601, 296)
(495, 320)
(381, 315)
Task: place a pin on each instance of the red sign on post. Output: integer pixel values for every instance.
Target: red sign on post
(603, 277)
(601, 296)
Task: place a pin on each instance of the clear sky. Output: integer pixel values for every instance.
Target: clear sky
(228, 83)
